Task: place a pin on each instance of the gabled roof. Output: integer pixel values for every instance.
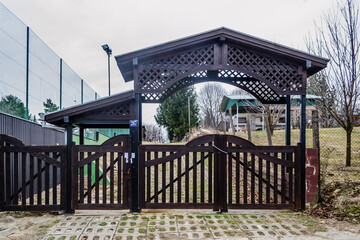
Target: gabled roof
(125, 61)
(96, 110)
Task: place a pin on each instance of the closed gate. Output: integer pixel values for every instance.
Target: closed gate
(219, 172)
(101, 174)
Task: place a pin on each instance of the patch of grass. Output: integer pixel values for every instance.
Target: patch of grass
(152, 229)
(131, 230)
(102, 224)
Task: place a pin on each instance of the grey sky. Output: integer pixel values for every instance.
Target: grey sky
(76, 29)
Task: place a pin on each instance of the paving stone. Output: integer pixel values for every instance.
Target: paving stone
(72, 224)
(61, 237)
(196, 235)
(67, 230)
(130, 237)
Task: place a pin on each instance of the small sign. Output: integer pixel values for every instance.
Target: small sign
(134, 123)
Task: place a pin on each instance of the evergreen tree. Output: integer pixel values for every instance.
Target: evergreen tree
(13, 105)
(173, 113)
(49, 106)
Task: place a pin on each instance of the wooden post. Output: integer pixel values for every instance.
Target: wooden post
(248, 127)
(303, 148)
(288, 121)
(315, 128)
(231, 121)
(69, 207)
(316, 142)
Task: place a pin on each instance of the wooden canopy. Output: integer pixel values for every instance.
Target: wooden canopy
(266, 70)
(107, 112)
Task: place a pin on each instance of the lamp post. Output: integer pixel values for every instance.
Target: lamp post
(108, 52)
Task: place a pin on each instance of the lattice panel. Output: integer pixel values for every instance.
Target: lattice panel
(257, 88)
(114, 112)
(281, 75)
(157, 74)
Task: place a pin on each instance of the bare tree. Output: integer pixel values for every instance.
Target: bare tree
(338, 40)
(153, 133)
(209, 99)
(272, 114)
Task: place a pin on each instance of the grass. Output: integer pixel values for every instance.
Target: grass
(332, 150)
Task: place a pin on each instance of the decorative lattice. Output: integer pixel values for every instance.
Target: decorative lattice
(159, 74)
(279, 74)
(115, 112)
(255, 87)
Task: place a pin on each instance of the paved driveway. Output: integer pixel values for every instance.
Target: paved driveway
(194, 225)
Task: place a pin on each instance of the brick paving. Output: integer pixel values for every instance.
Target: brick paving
(198, 225)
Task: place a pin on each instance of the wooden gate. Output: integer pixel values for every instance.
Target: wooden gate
(32, 178)
(219, 172)
(101, 174)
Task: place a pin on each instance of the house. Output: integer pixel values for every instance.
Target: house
(245, 106)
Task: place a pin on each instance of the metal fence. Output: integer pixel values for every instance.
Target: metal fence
(30, 133)
(31, 71)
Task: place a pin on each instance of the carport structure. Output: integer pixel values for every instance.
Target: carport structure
(268, 71)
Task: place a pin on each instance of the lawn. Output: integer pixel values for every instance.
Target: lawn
(332, 150)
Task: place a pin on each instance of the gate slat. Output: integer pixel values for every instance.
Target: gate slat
(163, 180)
(253, 187)
(237, 184)
(120, 178)
(268, 182)
(194, 177)
(31, 186)
(210, 176)
(187, 193)
(172, 180)
(97, 180)
(47, 183)
(179, 180)
(112, 177)
(148, 178)
(23, 179)
(229, 161)
(89, 175)
(283, 180)
(8, 177)
(156, 180)
(2, 178)
(16, 179)
(202, 176)
(260, 181)
(275, 182)
(81, 193)
(291, 193)
(54, 185)
(39, 182)
(104, 178)
(245, 181)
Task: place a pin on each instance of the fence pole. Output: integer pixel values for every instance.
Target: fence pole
(303, 149)
(27, 72)
(316, 142)
(69, 207)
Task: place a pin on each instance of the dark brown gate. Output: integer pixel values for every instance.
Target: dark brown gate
(219, 172)
(32, 178)
(101, 174)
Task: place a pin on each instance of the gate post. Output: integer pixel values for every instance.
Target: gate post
(69, 184)
(220, 184)
(135, 132)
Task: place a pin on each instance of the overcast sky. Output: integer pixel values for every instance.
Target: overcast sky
(76, 29)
